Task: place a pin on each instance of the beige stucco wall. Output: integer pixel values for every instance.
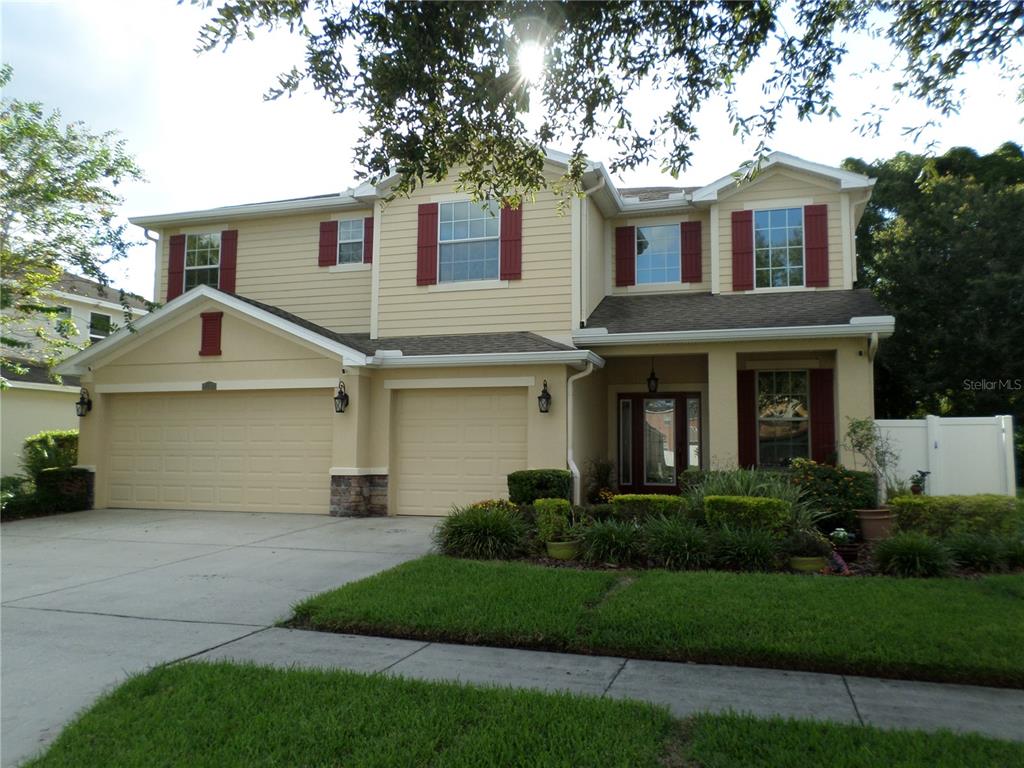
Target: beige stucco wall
(277, 264)
(25, 412)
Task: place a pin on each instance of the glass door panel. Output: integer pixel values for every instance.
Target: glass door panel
(625, 442)
(659, 427)
(693, 432)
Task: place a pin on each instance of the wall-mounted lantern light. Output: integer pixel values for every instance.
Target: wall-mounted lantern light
(84, 404)
(340, 398)
(544, 398)
(652, 380)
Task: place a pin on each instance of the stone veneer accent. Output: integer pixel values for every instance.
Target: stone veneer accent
(359, 495)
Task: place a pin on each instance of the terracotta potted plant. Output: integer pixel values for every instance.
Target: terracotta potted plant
(555, 527)
(864, 438)
(808, 551)
(845, 543)
(917, 481)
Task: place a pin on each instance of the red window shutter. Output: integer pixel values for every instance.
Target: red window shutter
(368, 240)
(746, 417)
(176, 267)
(625, 256)
(511, 243)
(689, 239)
(328, 244)
(816, 246)
(228, 259)
(823, 416)
(742, 250)
(426, 245)
(209, 343)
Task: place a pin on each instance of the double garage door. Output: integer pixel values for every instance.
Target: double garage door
(263, 451)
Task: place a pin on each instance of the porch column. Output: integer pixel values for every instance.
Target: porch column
(92, 430)
(855, 391)
(358, 489)
(723, 428)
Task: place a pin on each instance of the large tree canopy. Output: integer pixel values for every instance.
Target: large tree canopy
(438, 82)
(57, 208)
(941, 244)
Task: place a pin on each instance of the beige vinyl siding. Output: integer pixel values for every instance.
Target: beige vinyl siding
(778, 189)
(277, 264)
(656, 219)
(594, 258)
(540, 301)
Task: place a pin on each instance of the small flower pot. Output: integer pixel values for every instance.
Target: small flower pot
(807, 564)
(917, 490)
(848, 552)
(876, 524)
(563, 550)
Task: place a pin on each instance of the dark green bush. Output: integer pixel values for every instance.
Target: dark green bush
(528, 485)
(641, 506)
(762, 513)
(675, 543)
(807, 544)
(836, 490)
(554, 519)
(912, 554)
(598, 512)
(64, 489)
(977, 551)
(55, 448)
(616, 542)
(944, 515)
(1013, 552)
(486, 530)
(17, 497)
(598, 480)
(745, 549)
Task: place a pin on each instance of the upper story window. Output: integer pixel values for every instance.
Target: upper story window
(350, 241)
(779, 248)
(469, 241)
(783, 417)
(657, 254)
(202, 260)
(99, 326)
(61, 317)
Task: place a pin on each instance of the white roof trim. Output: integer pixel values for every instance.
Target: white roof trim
(95, 302)
(846, 179)
(41, 386)
(346, 199)
(578, 357)
(883, 325)
(79, 363)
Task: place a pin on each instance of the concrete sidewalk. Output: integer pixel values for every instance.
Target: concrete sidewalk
(684, 688)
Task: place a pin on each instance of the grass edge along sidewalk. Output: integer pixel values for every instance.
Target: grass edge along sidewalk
(943, 630)
(227, 715)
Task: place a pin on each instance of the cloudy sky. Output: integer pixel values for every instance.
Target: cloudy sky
(204, 136)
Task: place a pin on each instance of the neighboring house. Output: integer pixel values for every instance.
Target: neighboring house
(672, 328)
(33, 402)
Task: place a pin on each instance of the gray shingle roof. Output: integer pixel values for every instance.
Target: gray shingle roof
(645, 194)
(704, 311)
(37, 373)
(83, 286)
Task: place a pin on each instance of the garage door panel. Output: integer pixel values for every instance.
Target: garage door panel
(454, 447)
(262, 451)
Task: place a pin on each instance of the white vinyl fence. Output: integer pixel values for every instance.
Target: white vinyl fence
(964, 455)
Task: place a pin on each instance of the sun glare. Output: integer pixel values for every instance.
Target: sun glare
(530, 61)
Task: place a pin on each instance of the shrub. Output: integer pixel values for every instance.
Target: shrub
(611, 541)
(977, 551)
(598, 512)
(17, 497)
(47, 450)
(641, 506)
(528, 485)
(64, 489)
(835, 490)
(912, 554)
(807, 544)
(747, 512)
(486, 530)
(745, 482)
(1013, 552)
(598, 480)
(676, 543)
(554, 519)
(944, 515)
(744, 549)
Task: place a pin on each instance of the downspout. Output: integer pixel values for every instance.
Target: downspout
(872, 347)
(577, 480)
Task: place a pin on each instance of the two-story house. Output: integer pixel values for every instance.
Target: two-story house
(33, 401)
(357, 355)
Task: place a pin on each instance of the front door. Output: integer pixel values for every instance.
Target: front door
(659, 439)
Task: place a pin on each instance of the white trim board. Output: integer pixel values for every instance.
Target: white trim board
(350, 471)
(222, 386)
(883, 325)
(43, 387)
(507, 381)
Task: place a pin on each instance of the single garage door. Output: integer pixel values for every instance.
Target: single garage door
(266, 451)
(454, 446)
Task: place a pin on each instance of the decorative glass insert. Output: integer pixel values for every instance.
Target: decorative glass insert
(350, 241)
(99, 325)
(783, 425)
(693, 432)
(202, 260)
(625, 442)
(659, 441)
(657, 254)
(779, 248)
(468, 238)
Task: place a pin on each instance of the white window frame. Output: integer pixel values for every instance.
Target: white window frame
(63, 313)
(361, 228)
(110, 327)
(636, 253)
(490, 281)
(187, 268)
(757, 395)
(803, 247)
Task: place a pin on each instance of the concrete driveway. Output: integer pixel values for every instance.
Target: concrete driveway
(91, 597)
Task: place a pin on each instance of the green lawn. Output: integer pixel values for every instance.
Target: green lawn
(955, 630)
(224, 715)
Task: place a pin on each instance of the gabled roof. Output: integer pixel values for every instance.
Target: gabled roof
(77, 285)
(35, 373)
(846, 179)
